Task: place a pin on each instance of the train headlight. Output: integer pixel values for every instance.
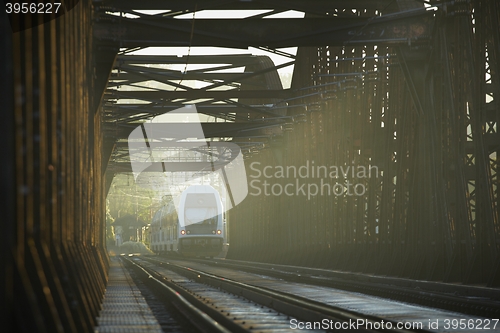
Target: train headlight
(219, 232)
(213, 231)
(188, 232)
(183, 232)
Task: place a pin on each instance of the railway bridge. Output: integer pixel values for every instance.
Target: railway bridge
(377, 155)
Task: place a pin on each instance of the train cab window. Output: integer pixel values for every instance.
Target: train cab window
(200, 208)
(204, 215)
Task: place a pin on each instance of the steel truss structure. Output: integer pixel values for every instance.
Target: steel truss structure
(256, 97)
(410, 87)
(388, 85)
(427, 118)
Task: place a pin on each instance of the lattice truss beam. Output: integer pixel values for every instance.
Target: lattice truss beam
(240, 95)
(227, 88)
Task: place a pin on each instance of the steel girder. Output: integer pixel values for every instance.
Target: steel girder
(318, 6)
(210, 130)
(400, 28)
(159, 96)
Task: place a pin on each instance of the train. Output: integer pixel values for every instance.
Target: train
(197, 228)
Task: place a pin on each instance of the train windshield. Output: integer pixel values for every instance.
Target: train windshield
(200, 208)
(204, 215)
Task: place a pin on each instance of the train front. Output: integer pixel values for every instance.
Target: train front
(200, 222)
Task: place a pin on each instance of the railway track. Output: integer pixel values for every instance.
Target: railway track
(240, 301)
(212, 308)
(471, 300)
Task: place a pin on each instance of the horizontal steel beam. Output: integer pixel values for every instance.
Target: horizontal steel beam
(198, 94)
(396, 28)
(201, 108)
(201, 146)
(316, 5)
(177, 75)
(210, 130)
(235, 59)
(168, 166)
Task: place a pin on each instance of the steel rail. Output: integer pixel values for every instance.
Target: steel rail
(189, 309)
(292, 305)
(419, 292)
